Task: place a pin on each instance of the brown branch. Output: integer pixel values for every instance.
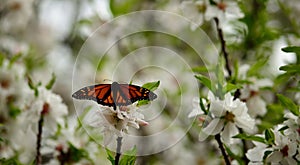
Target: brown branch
(223, 47)
(118, 151)
(221, 146)
(38, 158)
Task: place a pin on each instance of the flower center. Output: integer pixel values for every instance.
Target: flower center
(46, 109)
(229, 116)
(284, 151)
(298, 130)
(201, 7)
(4, 84)
(222, 6)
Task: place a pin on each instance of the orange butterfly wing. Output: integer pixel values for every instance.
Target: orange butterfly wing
(114, 94)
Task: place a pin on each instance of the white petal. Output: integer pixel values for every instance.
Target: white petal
(214, 127)
(217, 108)
(229, 130)
(275, 157)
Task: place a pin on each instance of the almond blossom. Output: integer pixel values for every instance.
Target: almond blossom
(227, 116)
(117, 122)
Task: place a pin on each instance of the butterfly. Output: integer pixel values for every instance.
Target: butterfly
(114, 94)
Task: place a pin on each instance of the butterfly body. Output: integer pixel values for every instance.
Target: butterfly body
(114, 94)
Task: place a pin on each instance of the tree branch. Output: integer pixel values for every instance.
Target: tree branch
(223, 47)
(118, 151)
(221, 146)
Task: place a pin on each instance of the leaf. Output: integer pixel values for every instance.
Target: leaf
(270, 137)
(14, 59)
(110, 156)
(123, 7)
(266, 154)
(289, 104)
(152, 86)
(142, 102)
(11, 161)
(290, 49)
(256, 68)
(206, 82)
(76, 154)
(291, 68)
(129, 157)
(250, 137)
(51, 82)
(230, 87)
(2, 57)
(200, 69)
(32, 86)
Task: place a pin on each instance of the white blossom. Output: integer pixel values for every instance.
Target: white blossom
(196, 111)
(116, 122)
(49, 105)
(227, 116)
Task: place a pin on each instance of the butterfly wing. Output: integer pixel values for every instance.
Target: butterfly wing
(100, 93)
(133, 93)
(114, 94)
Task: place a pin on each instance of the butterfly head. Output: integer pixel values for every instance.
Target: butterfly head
(152, 96)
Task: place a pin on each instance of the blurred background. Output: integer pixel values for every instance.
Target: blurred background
(89, 42)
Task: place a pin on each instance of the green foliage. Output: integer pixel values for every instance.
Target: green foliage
(76, 154)
(51, 82)
(257, 67)
(234, 156)
(13, 110)
(206, 82)
(129, 157)
(289, 104)
(2, 57)
(269, 136)
(14, 59)
(273, 116)
(123, 7)
(152, 86)
(33, 86)
(110, 156)
(10, 161)
(291, 49)
(291, 68)
(250, 137)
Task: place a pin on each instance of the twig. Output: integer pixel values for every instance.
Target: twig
(38, 159)
(226, 158)
(118, 151)
(223, 46)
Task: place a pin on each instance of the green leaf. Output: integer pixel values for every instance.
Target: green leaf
(291, 68)
(234, 156)
(2, 57)
(200, 69)
(266, 154)
(110, 156)
(123, 7)
(142, 102)
(10, 161)
(206, 82)
(152, 86)
(13, 110)
(270, 137)
(256, 68)
(129, 157)
(14, 59)
(230, 87)
(76, 154)
(51, 82)
(289, 49)
(32, 86)
(250, 137)
(289, 104)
